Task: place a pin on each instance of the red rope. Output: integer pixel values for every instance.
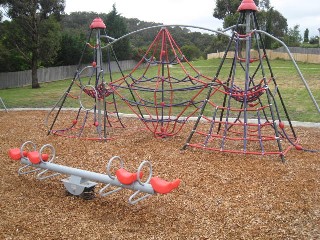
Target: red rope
(200, 146)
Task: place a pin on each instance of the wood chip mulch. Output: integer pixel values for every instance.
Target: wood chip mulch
(221, 196)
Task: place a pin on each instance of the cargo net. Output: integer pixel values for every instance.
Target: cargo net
(164, 90)
(244, 113)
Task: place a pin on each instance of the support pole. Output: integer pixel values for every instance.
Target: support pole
(296, 67)
(247, 79)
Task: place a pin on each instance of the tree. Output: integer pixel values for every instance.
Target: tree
(218, 44)
(10, 58)
(226, 10)
(116, 27)
(269, 19)
(293, 37)
(77, 23)
(306, 36)
(268, 28)
(144, 38)
(273, 23)
(70, 50)
(314, 40)
(34, 30)
(191, 52)
(75, 28)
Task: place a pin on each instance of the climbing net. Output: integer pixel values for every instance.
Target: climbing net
(167, 91)
(244, 113)
(96, 107)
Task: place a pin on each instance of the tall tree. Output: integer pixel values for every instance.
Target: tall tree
(274, 23)
(35, 30)
(218, 44)
(116, 27)
(293, 37)
(71, 49)
(226, 10)
(306, 36)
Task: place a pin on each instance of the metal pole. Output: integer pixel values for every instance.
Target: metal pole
(5, 108)
(98, 72)
(163, 26)
(247, 79)
(296, 66)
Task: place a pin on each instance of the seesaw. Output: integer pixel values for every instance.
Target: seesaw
(82, 182)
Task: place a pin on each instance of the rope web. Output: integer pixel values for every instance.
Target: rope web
(164, 90)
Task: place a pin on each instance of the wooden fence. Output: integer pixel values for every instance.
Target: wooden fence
(299, 50)
(274, 54)
(23, 78)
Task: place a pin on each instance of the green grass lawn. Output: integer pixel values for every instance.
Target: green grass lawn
(294, 93)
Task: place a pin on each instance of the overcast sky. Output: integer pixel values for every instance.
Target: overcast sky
(198, 13)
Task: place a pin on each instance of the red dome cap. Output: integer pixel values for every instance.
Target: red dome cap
(247, 5)
(97, 23)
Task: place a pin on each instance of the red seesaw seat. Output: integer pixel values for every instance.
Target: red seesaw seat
(15, 153)
(34, 157)
(162, 186)
(126, 177)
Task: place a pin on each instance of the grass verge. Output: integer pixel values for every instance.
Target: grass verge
(293, 91)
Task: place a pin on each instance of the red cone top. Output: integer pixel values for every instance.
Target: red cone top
(97, 23)
(247, 5)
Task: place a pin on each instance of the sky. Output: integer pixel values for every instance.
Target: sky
(198, 13)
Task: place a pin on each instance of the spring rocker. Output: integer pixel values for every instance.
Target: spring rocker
(82, 182)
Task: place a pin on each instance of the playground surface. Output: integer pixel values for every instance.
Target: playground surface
(221, 195)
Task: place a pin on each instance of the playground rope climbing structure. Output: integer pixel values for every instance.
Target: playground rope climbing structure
(239, 112)
(244, 113)
(159, 99)
(88, 91)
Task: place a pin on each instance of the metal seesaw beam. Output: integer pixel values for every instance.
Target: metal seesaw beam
(83, 182)
(88, 175)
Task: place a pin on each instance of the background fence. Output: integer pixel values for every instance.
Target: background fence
(23, 78)
(299, 50)
(309, 55)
